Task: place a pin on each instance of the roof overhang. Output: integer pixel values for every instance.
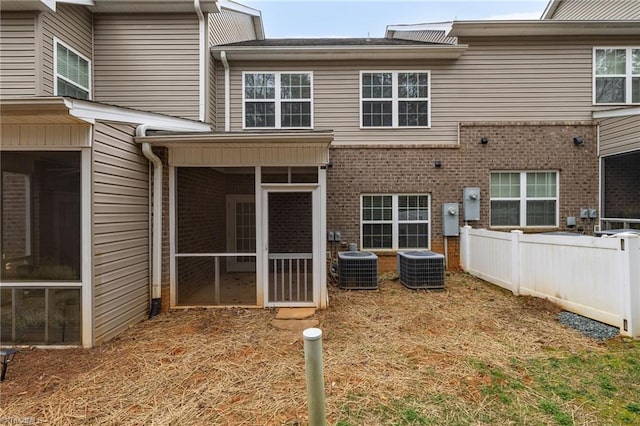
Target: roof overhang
(145, 6)
(337, 53)
(432, 26)
(255, 14)
(235, 139)
(551, 8)
(115, 6)
(241, 149)
(39, 5)
(539, 28)
(60, 110)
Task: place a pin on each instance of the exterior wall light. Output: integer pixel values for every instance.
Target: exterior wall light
(437, 164)
(484, 140)
(6, 356)
(577, 140)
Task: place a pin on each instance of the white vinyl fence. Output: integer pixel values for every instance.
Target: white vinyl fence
(595, 277)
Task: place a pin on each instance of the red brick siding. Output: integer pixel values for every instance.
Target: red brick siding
(290, 223)
(14, 210)
(521, 146)
(622, 186)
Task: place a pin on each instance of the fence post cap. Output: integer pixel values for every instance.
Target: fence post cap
(312, 334)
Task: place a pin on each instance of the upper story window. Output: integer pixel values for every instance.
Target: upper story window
(395, 99)
(72, 75)
(616, 75)
(522, 199)
(277, 100)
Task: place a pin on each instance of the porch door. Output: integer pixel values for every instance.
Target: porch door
(291, 279)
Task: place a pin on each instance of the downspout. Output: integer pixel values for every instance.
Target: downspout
(203, 74)
(156, 263)
(227, 95)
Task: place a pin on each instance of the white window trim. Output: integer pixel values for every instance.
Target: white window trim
(277, 100)
(57, 41)
(523, 200)
(395, 222)
(395, 99)
(628, 74)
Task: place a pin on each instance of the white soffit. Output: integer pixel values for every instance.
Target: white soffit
(39, 5)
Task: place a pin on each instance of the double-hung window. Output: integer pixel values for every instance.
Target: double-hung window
(72, 72)
(395, 221)
(277, 100)
(395, 99)
(616, 75)
(522, 199)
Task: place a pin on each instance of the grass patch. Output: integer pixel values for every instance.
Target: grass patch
(468, 355)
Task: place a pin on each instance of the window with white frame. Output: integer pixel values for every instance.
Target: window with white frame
(395, 221)
(524, 199)
(277, 100)
(395, 99)
(72, 72)
(616, 75)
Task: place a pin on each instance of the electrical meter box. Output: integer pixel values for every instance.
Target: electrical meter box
(471, 204)
(450, 216)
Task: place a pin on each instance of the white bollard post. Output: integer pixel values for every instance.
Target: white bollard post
(315, 378)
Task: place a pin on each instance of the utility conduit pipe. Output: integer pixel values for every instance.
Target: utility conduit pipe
(156, 262)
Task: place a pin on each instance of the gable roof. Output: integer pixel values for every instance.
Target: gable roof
(336, 49)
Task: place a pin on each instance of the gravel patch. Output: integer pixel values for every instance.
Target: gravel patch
(587, 326)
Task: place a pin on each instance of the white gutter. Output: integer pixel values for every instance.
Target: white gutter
(202, 96)
(227, 95)
(156, 263)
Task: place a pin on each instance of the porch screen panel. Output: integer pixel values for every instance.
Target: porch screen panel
(40, 216)
(290, 247)
(215, 220)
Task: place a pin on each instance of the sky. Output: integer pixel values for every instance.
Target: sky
(369, 18)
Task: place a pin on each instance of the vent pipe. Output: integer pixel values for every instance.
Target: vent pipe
(227, 95)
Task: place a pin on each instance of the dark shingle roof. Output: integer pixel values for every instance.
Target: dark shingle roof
(310, 42)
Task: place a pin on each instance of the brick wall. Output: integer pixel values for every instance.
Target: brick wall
(290, 223)
(201, 210)
(201, 220)
(14, 211)
(622, 186)
(511, 146)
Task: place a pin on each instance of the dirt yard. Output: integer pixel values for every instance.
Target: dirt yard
(391, 356)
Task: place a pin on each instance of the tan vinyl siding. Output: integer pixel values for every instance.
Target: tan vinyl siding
(229, 27)
(71, 25)
(619, 135)
(148, 62)
(34, 136)
(248, 155)
(225, 27)
(17, 55)
(120, 230)
(494, 80)
(597, 10)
